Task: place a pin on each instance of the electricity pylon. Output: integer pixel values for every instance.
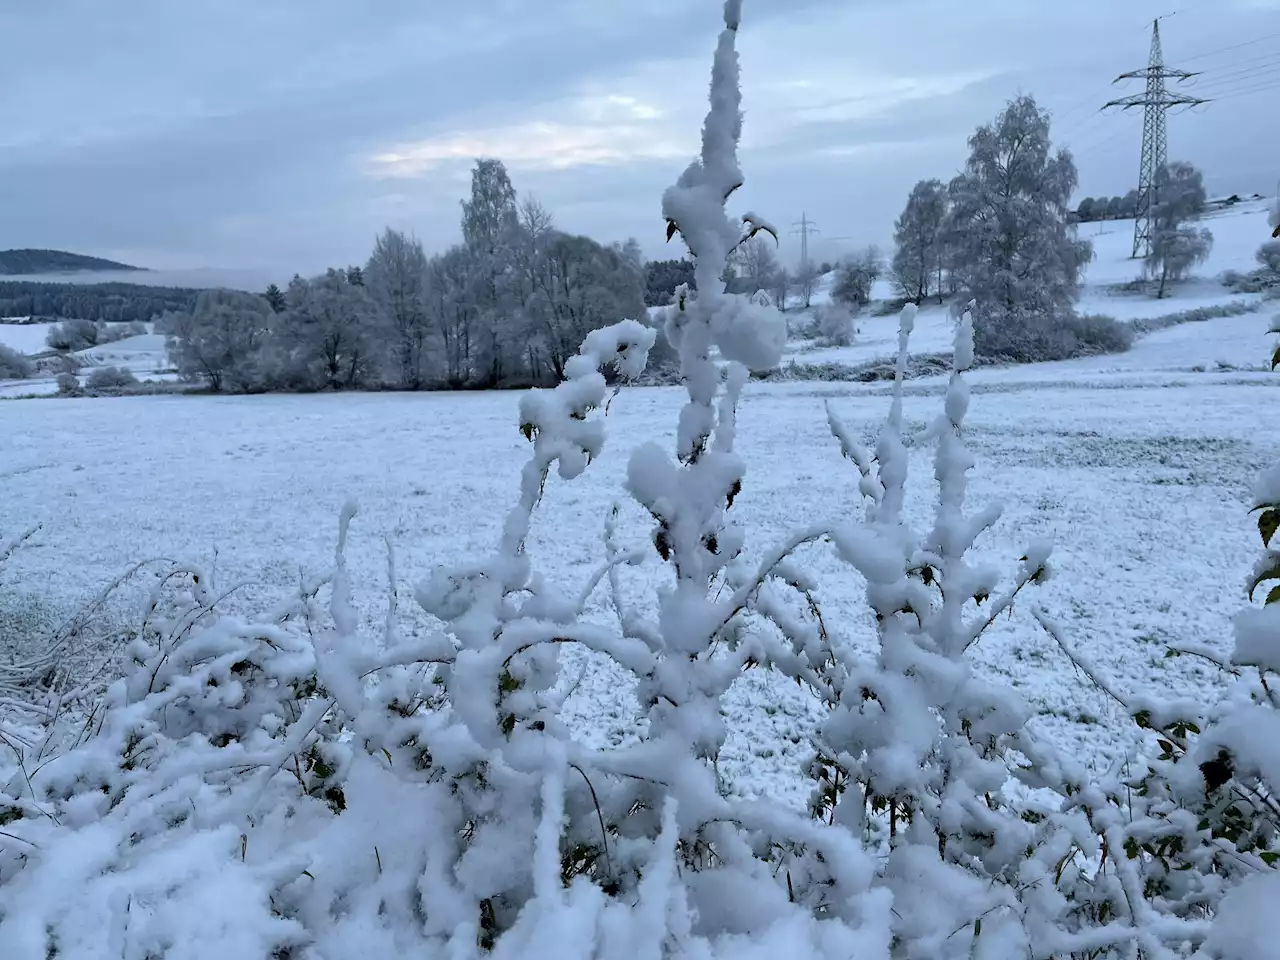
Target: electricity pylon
(1155, 102)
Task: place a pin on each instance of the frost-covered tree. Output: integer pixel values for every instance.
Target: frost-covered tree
(806, 277)
(326, 336)
(73, 334)
(275, 298)
(454, 314)
(1128, 206)
(396, 278)
(1014, 251)
(1175, 247)
(579, 286)
(220, 340)
(917, 257)
(780, 289)
(757, 265)
(14, 365)
(490, 234)
(1087, 210)
(855, 276)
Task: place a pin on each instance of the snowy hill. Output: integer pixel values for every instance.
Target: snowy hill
(1238, 231)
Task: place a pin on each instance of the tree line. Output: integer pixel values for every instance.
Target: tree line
(508, 306)
(99, 302)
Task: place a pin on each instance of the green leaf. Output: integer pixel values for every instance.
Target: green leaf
(1269, 573)
(1268, 524)
(1269, 857)
(1275, 358)
(1274, 595)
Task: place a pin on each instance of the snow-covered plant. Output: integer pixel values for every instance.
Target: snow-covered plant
(993, 845)
(14, 365)
(110, 378)
(834, 324)
(1268, 256)
(1203, 817)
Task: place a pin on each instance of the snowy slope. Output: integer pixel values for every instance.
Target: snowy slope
(26, 338)
(1238, 231)
(143, 354)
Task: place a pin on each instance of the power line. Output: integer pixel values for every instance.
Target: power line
(1155, 103)
(1234, 46)
(1228, 79)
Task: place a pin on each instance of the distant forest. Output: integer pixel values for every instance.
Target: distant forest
(110, 302)
(28, 262)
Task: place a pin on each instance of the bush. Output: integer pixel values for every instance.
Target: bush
(1236, 308)
(834, 324)
(1268, 256)
(73, 335)
(111, 378)
(855, 277)
(68, 384)
(14, 365)
(1067, 337)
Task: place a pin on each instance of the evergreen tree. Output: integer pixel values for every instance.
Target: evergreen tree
(275, 298)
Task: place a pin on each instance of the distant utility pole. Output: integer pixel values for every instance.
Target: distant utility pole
(804, 228)
(1155, 102)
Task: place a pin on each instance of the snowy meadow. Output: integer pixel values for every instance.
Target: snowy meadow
(948, 666)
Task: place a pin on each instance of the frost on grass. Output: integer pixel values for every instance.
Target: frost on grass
(294, 787)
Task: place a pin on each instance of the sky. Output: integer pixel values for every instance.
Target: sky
(282, 136)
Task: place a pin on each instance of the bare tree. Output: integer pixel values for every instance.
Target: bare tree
(756, 264)
(396, 278)
(917, 259)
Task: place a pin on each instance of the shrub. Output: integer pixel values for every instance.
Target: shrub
(834, 324)
(70, 335)
(68, 384)
(855, 277)
(112, 333)
(1268, 256)
(14, 365)
(1196, 315)
(111, 378)
(1071, 335)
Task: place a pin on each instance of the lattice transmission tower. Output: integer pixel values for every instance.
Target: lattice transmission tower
(1156, 102)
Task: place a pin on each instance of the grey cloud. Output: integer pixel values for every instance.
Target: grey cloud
(238, 134)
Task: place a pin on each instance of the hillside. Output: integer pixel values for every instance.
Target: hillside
(14, 263)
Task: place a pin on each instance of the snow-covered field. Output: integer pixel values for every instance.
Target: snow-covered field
(145, 355)
(1138, 465)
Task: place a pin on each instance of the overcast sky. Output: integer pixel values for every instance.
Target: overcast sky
(284, 134)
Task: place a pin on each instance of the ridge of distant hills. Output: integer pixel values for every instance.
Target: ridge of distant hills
(28, 262)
